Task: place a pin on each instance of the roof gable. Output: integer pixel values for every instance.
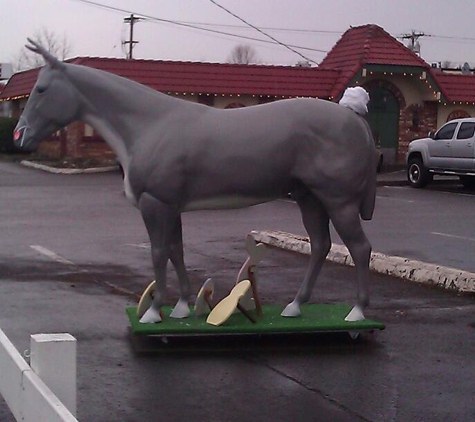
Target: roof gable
(366, 45)
(369, 44)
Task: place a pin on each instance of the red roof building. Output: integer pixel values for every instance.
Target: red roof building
(408, 96)
(189, 78)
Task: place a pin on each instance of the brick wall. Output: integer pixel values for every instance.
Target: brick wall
(50, 148)
(94, 149)
(75, 146)
(415, 122)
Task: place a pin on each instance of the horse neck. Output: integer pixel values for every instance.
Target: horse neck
(118, 109)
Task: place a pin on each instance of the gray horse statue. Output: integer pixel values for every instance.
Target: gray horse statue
(180, 156)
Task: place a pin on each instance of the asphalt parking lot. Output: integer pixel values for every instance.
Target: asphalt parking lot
(419, 368)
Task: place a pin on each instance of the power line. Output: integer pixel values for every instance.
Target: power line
(115, 9)
(193, 25)
(451, 38)
(270, 28)
(262, 32)
(443, 37)
(154, 19)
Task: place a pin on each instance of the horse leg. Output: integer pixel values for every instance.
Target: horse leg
(181, 309)
(315, 220)
(160, 220)
(346, 220)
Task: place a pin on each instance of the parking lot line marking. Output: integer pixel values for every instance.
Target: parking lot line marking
(410, 201)
(396, 187)
(139, 245)
(453, 236)
(50, 254)
(58, 258)
(457, 193)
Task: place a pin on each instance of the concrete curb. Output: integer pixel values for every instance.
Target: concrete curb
(408, 269)
(56, 170)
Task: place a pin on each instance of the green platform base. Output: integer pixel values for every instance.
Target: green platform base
(315, 318)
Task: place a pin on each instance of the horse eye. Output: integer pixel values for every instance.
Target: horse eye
(40, 90)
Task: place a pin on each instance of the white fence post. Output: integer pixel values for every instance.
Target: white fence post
(53, 359)
(25, 393)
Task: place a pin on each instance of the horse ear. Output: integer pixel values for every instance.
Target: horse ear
(38, 49)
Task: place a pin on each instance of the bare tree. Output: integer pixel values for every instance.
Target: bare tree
(57, 45)
(243, 54)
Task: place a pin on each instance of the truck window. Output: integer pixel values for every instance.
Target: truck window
(466, 131)
(446, 132)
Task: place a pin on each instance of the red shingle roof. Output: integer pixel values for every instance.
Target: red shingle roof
(210, 78)
(369, 44)
(455, 87)
(20, 84)
(214, 78)
(362, 45)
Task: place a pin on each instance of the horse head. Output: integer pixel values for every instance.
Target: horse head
(53, 103)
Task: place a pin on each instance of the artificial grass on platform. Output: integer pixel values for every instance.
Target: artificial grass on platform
(314, 318)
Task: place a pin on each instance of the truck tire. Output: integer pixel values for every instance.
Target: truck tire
(417, 175)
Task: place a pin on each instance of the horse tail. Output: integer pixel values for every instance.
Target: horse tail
(369, 195)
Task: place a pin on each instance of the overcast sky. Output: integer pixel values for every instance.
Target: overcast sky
(94, 31)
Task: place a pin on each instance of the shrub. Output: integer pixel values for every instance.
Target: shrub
(7, 125)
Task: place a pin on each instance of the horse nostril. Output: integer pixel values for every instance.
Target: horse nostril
(17, 135)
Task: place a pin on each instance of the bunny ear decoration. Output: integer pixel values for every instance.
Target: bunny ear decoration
(39, 49)
(257, 251)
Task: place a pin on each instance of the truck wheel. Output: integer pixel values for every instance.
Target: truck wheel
(417, 175)
(468, 182)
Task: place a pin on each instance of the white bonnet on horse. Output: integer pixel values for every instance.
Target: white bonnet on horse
(355, 99)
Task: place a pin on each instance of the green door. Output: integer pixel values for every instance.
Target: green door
(383, 118)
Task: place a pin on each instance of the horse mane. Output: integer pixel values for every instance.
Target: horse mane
(96, 82)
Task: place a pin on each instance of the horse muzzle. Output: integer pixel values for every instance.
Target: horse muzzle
(22, 138)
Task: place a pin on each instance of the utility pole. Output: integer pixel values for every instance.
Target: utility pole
(414, 36)
(131, 21)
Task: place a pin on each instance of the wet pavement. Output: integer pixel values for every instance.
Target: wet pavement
(419, 368)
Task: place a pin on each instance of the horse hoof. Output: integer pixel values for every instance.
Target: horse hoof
(356, 314)
(291, 310)
(181, 310)
(151, 316)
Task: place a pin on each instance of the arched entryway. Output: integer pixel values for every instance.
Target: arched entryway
(383, 118)
(457, 114)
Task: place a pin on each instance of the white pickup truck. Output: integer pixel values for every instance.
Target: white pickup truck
(449, 151)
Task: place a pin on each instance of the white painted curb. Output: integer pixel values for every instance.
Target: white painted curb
(56, 170)
(408, 269)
